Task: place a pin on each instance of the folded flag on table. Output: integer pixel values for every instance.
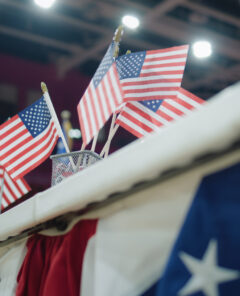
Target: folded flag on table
(12, 190)
(27, 139)
(152, 74)
(204, 259)
(102, 97)
(143, 117)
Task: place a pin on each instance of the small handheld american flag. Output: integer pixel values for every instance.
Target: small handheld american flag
(143, 117)
(152, 74)
(11, 190)
(27, 139)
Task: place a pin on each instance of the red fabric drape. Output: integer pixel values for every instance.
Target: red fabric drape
(53, 265)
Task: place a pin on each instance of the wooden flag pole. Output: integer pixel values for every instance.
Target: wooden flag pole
(111, 134)
(55, 119)
(105, 149)
(54, 115)
(94, 142)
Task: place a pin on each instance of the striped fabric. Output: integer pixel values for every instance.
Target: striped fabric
(143, 117)
(153, 74)
(12, 190)
(102, 97)
(27, 139)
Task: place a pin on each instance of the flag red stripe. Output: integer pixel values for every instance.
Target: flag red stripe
(143, 90)
(114, 96)
(44, 157)
(85, 106)
(28, 149)
(9, 121)
(176, 56)
(100, 104)
(129, 128)
(136, 121)
(173, 109)
(164, 115)
(92, 99)
(192, 96)
(11, 130)
(159, 97)
(163, 65)
(162, 73)
(175, 48)
(184, 103)
(14, 139)
(152, 81)
(81, 123)
(145, 115)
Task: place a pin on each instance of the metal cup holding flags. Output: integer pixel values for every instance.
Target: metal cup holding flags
(67, 164)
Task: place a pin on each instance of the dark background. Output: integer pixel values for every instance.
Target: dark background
(64, 45)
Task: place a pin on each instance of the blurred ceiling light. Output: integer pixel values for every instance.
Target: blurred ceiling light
(44, 3)
(130, 21)
(202, 49)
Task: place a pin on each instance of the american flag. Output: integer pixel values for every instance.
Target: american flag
(27, 139)
(12, 190)
(143, 117)
(152, 75)
(101, 98)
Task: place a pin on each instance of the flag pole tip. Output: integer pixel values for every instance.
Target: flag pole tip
(44, 87)
(118, 33)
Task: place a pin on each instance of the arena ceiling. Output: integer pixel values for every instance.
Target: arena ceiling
(74, 34)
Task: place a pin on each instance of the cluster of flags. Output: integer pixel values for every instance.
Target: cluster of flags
(142, 88)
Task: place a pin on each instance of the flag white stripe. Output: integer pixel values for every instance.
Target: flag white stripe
(179, 106)
(146, 110)
(95, 98)
(169, 112)
(166, 54)
(12, 185)
(179, 60)
(35, 149)
(8, 194)
(23, 147)
(36, 159)
(22, 186)
(12, 135)
(109, 94)
(10, 126)
(4, 203)
(103, 101)
(150, 93)
(116, 86)
(84, 118)
(161, 69)
(189, 101)
(141, 118)
(90, 111)
(133, 125)
(154, 77)
(152, 85)
(14, 144)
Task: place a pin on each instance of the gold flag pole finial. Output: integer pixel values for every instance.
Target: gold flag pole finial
(117, 38)
(44, 87)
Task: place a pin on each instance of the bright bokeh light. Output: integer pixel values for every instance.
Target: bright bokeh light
(130, 21)
(202, 49)
(74, 133)
(44, 3)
